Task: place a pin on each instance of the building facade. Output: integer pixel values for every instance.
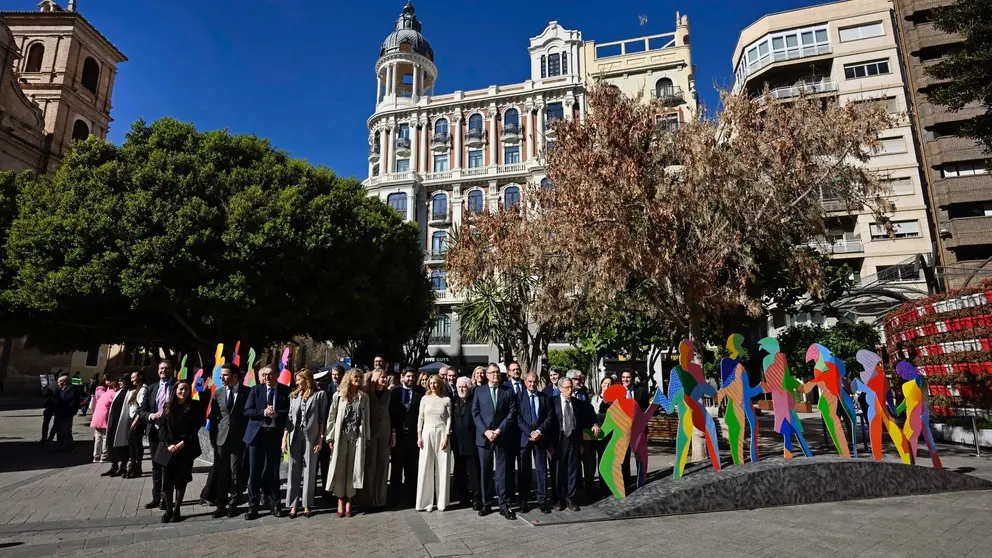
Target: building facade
(56, 85)
(954, 167)
(436, 158)
(848, 51)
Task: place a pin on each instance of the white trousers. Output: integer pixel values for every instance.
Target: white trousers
(99, 443)
(434, 471)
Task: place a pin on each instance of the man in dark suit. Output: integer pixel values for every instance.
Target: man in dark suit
(572, 419)
(587, 457)
(227, 433)
(266, 409)
(66, 405)
(152, 412)
(536, 420)
(640, 395)
(466, 475)
(404, 409)
(494, 409)
(514, 381)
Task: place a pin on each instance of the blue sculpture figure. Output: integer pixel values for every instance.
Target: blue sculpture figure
(736, 387)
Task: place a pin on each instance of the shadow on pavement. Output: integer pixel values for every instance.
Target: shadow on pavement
(29, 455)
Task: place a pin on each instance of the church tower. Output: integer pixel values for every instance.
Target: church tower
(405, 70)
(67, 67)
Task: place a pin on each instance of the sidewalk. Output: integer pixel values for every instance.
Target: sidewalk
(56, 504)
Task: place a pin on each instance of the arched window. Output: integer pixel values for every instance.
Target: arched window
(398, 202)
(554, 65)
(663, 88)
(475, 122)
(441, 127)
(511, 117)
(564, 63)
(511, 197)
(36, 55)
(438, 280)
(439, 206)
(80, 130)
(91, 75)
(475, 201)
(439, 242)
(547, 184)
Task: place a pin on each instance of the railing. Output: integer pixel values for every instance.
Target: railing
(807, 87)
(456, 174)
(374, 152)
(475, 135)
(436, 255)
(668, 126)
(850, 243)
(439, 175)
(439, 338)
(440, 140)
(511, 167)
(511, 130)
(668, 95)
(402, 143)
(791, 54)
(833, 204)
(439, 216)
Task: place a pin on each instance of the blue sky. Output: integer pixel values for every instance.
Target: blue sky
(300, 73)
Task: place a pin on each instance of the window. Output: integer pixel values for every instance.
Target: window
(899, 186)
(787, 45)
(402, 165)
(544, 66)
(441, 332)
(554, 65)
(511, 155)
(93, 357)
(891, 104)
(439, 205)
(975, 209)
(80, 131)
(556, 111)
(663, 88)
(441, 127)
(900, 272)
(475, 122)
(438, 280)
(892, 145)
(91, 75)
(669, 123)
(404, 131)
(439, 242)
(511, 197)
(36, 55)
(564, 64)
(862, 31)
(440, 162)
(964, 168)
(475, 201)
(900, 229)
(406, 88)
(375, 169)
(475, 159)
(511, 118)
(866, 69)
(398, 202)
(547, 184)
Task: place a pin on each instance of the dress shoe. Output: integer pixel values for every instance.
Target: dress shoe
(506, 512)
(232, 512)
(545, 507)
(486, 510)
(276, 512)
(111, 473)
(476, 505)
(219, 513)
(571, 505)
(154, 504)
(524, 507)
(177, 515)
(252, 513)
(167, 517)
(162, 506)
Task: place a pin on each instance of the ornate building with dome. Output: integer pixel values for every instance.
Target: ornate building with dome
(437, 157)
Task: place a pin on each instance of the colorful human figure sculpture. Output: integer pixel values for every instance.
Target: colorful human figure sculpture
(827, 375)
(736, 387)
(617, 425)
(250, 370)
(686, 388)
(285, 374)
(917, 409)
(639, 439)
(875, 386)
(785, 390)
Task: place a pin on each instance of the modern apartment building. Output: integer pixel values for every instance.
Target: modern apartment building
(848, 51)
(955, 167)
(436, 158)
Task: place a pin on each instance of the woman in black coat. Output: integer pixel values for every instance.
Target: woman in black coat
(466, 474)
(179, 447)
(119, 430)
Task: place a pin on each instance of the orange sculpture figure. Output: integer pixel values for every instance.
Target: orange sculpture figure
(826, 376)
(875, 386)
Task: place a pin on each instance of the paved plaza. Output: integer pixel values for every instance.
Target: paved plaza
(57, 504)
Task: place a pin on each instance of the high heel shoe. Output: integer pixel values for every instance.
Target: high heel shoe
(292, 513)
(307, 514)
(340, 514)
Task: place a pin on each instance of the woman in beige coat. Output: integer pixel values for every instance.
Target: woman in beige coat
(347, 435)
(381, 440)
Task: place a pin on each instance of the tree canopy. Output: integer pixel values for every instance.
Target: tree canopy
(967, 67)
(182, 239)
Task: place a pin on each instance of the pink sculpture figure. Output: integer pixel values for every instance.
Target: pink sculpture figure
(737, 388)
(285, 374)
(827, 376)
(784, 389)
(875, 386)
(917, 410)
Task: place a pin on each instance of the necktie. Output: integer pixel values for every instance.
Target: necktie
(230, 399)
(533, 405)
(568, 421)
(161, 399)
(516, 388)
(494, 396)
(271, 396)
(406, 397)
(630, 394)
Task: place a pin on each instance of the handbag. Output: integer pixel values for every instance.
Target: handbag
(162, 455)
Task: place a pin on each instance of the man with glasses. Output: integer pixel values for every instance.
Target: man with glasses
(494, 410)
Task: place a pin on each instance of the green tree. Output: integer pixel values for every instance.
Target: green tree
(968, 67)
(182, 239)
(844, 340)
(566, 359)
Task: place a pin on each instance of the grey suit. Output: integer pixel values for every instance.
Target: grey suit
(304, 428)
(227, 432)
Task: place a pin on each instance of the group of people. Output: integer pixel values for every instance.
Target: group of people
(386, 440)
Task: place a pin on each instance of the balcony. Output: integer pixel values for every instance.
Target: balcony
(402, 147)
(668, 96)
(849, 243)
(802, 88)
(511, 168)
(439, 218)
(511, 133)
(833, 204)
(441, 142)
(435, 256)
(439, 338)
(781, 56)
(447, 295)
(475, 137)
(391, 177)
(968, 231)
(374, 153)
(667, 126)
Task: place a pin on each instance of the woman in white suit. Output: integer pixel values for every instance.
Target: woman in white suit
(304, 436)
(433, 427)
(348, 434)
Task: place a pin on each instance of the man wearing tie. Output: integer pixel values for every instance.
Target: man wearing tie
(152, 412)
(227, 432)
(587, 457)
(494, 410)
(266, 409)
(572, 418)
(515, 382)
(404, 410)
(536, 420)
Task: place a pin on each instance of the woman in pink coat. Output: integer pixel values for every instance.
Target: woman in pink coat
(103, 398)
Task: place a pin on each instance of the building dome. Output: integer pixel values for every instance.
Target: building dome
(407, 31)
